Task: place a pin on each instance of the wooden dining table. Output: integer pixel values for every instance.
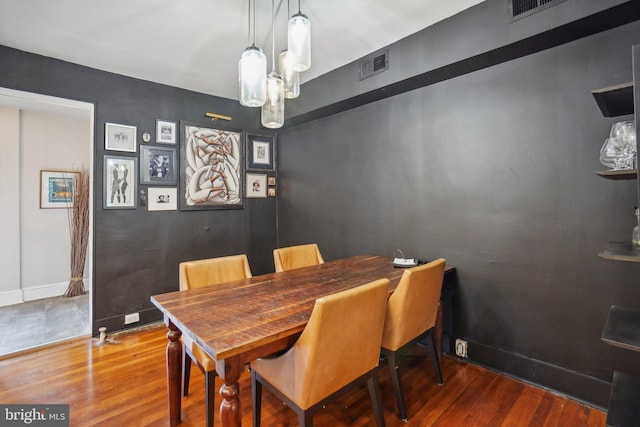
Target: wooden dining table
(240, 321)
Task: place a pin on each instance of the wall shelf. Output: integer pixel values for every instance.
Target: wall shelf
(621, 251)
(623, 328)
(615, 100)
(618, 174)
(623, 406)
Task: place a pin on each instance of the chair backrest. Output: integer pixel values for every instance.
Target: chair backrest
(213, 271)
(340, 343)
(413, 307)
(296, 257)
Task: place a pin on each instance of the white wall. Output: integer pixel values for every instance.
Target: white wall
(51, 142)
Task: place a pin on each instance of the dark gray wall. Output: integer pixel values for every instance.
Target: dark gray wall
(136, 252)
(492, 170)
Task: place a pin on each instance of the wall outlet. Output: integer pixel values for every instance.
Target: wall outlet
(135, 317)
(461, 348)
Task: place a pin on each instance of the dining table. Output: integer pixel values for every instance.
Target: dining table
(240, 321)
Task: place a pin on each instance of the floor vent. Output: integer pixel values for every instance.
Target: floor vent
(521, 8)
(374, 64)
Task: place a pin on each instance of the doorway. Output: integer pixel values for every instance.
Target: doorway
(40, 134)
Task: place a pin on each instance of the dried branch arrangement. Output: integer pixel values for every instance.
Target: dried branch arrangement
(79, 232)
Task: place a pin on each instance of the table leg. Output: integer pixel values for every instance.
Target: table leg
(174, 373)
(229, 371)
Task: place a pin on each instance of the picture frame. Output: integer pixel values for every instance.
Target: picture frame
(166, 132)
(271, 192)
(272, 180)
(56, 189)
(211, 168)
(162, 199)
(261, 152)
(158, 165)
(256, 185)
(119, 182)
(120, 137)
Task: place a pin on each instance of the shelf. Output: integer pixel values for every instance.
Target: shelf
(618, 174)
(623, 328)
(623, 404)
(621, 251)
(615, 100)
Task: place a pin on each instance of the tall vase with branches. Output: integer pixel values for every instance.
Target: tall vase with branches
(79, 232)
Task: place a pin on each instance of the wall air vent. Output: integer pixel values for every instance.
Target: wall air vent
(521, 8)
(374, 64)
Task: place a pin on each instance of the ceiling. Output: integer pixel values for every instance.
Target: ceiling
(196, 44)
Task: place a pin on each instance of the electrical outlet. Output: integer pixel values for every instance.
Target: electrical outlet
(131, 318)
(461, 348)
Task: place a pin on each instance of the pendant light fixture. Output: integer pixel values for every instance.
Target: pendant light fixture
(252, 68)
(273, 109)
(290, 77)
(299, 41)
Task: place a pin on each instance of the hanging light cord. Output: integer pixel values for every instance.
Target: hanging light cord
(298, 6)
(273, 38)
(254, 21)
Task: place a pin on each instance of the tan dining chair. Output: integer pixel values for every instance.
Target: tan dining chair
(338, 347)
(411, 314)
(297, 257)
(198, 274)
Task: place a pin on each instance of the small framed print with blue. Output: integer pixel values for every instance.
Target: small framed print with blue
(261, 152)
(56, 189)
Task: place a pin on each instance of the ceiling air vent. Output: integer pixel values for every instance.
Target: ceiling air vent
(521, 8)
(374, 64)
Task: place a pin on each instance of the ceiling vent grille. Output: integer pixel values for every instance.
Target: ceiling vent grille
(374, 64)
(521, 8)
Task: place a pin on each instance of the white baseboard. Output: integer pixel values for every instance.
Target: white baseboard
(10, 297)
(32, 293)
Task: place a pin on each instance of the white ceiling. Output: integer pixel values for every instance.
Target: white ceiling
(196, 44)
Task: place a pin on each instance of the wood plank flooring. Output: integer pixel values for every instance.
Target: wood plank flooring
(125, 385)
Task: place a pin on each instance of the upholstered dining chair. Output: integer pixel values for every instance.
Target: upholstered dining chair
(198, 274)
(411, 314)
(338, 347)
(297, 257)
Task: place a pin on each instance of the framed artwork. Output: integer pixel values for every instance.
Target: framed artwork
(271, 192)
(120, 137)
(211, 172)
(158, 165)
(56, 189)
(165, 132)
(256, 185)
(261, 152)
(119, 182)
(272, 180)
(163, 199)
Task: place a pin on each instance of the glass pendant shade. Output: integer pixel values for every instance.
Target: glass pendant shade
(299, 41)
(252, 69)
(290, 77)
(273, 109)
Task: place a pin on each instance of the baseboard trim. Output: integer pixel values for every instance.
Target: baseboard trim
(11, 297)
(116, 323)
(575, 385)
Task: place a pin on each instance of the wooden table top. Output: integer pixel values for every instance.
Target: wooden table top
(237, 317)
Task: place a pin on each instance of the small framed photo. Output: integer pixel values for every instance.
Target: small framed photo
(271, 192)
(272, 180)
(119, 182)
(163, 199)
(261, 152)
(158, 165)
(56, 189)
(256, 185)
(120, 137)
(166, 132)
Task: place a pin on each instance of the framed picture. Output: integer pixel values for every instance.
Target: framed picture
(119, 182)
(271, 192)
(163, 199)
(165, 132)
(211, 172)
(120, 137)
(256, 185)
(56, 189)
(261, 152)
(158, 165)
(272, 180)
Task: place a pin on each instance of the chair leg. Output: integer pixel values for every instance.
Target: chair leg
(395, 380)
(210, 395)
(186, 374)
(256, 399)
(431, 346)
(376, 400)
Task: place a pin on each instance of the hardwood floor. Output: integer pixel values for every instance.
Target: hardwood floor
(125, 385)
